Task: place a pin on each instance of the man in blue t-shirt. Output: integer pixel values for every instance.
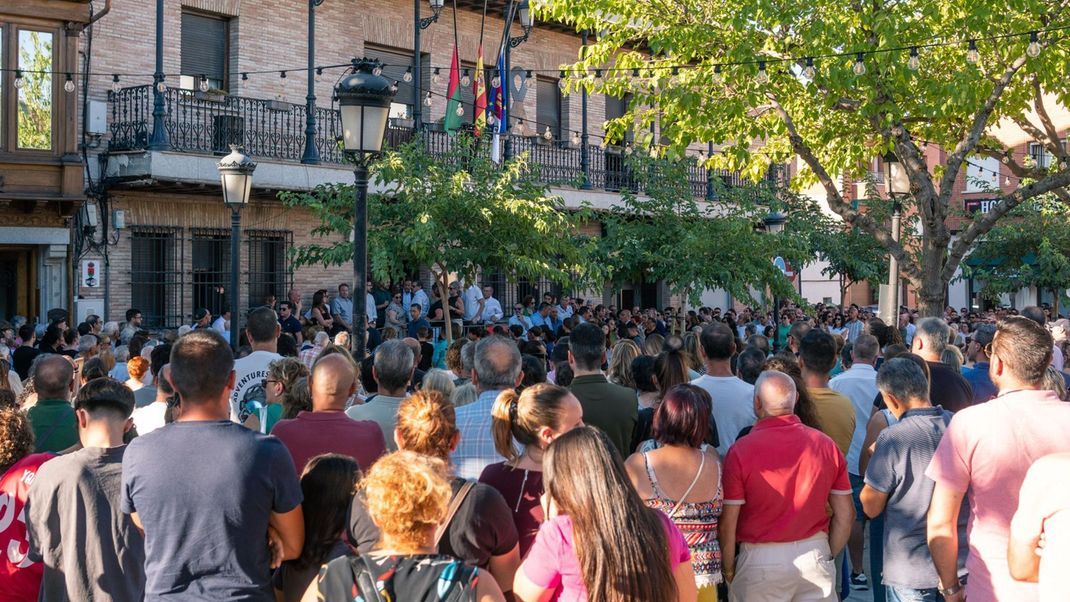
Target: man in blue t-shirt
(977, 374)
(206, 490)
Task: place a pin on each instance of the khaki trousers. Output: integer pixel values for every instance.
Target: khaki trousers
(799, 571)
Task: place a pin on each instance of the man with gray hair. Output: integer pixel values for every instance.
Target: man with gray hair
(896, 484)
(859, 384)
(948, 388)
(777, 482)
(392, 370)
(497, 368)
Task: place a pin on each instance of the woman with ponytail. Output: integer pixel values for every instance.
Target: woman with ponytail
(533, 418)
(603, 544)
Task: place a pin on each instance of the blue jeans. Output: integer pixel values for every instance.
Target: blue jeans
(904, 594)
(876, 558)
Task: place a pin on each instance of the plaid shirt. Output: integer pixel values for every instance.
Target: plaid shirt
(476, 448)
(308, 356)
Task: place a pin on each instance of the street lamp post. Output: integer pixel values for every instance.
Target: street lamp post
(420, 24)
(159, 139)
(523, 9)
(364, 99)
(895, 178)
(774, 224)
(311, 156)
(236, 173)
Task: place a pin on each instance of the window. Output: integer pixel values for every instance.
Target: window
(548, 106)
(395, 64)
(33, 115)
(269, 272)
(1041, 155)
(210, 270)
(982, 174)
(204, 50)
(618, 107)
(155, 279)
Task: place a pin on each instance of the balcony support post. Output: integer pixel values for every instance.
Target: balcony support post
(585, 147)
(159, 140)
(709, 172)
(311, 155)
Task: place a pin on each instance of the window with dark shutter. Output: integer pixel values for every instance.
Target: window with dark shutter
(617, 107)
(395, 64)
(548, 106)
(204, 50)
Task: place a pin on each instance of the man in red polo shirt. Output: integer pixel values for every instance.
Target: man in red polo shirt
(777, 481)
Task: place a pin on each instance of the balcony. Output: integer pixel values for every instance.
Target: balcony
(200, 124)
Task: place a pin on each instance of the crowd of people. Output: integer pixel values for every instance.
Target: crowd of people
(568, 451)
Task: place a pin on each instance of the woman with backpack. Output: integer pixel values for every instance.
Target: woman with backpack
(407, 496)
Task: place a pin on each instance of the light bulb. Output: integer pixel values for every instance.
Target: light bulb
(495, 82)
(562, 83)
(203, 86)
(161, 87)
(972, 55)
(376, 71)
(1006, 158)
(436, 77)
(809, 71)
(628, 149)
(18, 79)
(1033, 50)
(115, 85)
(68, 85)
(763, 75)
(466, 80)
(575, 139)
(1007, 181)
(408, 75)
(716, 74)
(490, 118)
(598, 77)
(914, 62)
(547, 135)
(519, 128)
(427, 100)
(460, 111)
(394, 87)
(860, 65)
(675, 79)
(319, 74)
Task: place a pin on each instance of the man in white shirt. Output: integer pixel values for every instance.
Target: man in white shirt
(151, 417)
(419, 297)
(859, 384)
(489, 309)
(733, 398)
(564, 308)
(262, 331)
(222, 324)
(369, 307)
(472, 296)
(907, 328)
(342, 308)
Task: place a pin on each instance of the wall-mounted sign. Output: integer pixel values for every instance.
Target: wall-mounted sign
(90, 273)
(982, 205)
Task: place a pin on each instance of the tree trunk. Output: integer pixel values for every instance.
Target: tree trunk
(444, 296)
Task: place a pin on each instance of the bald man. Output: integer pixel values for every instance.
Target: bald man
(777, 481)
(55, 427)
(327, 429)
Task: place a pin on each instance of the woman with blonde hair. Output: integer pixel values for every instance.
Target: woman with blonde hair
(620, 364)
(600, 541)
(439, 380)
(481, 531)
(533, 418)
(407, 497)
(281, 376)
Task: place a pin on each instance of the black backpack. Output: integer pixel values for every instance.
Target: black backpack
(456, 582)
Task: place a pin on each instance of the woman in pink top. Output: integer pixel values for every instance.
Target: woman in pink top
(603, 544)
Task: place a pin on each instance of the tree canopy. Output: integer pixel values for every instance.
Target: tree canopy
(769, 83)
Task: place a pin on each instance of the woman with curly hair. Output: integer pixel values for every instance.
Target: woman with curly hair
(19, 579)
(281, 376)
(620, 364)
(407, 496)
(327, 485)
(481, 532)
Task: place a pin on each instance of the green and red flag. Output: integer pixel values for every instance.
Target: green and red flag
(453, 95)
(480, 110)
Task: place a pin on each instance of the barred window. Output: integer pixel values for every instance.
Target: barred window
(210, 269)
(270, 274)
(155, 275)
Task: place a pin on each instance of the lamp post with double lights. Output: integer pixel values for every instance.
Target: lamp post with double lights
(236, 173)
(364, 99)
(523, 10)
(774, 224)
(419, 24)
(898, 187)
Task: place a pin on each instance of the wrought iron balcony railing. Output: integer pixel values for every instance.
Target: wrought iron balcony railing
(203, 123)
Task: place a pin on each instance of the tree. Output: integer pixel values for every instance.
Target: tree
(742, 81)
(460, 213)
(1030, 249)
(667, 234)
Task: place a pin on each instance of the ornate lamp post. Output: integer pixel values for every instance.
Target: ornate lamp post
(774, 224)
(236, 173)
(527, 22)
(898, 185)
(364, 99)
